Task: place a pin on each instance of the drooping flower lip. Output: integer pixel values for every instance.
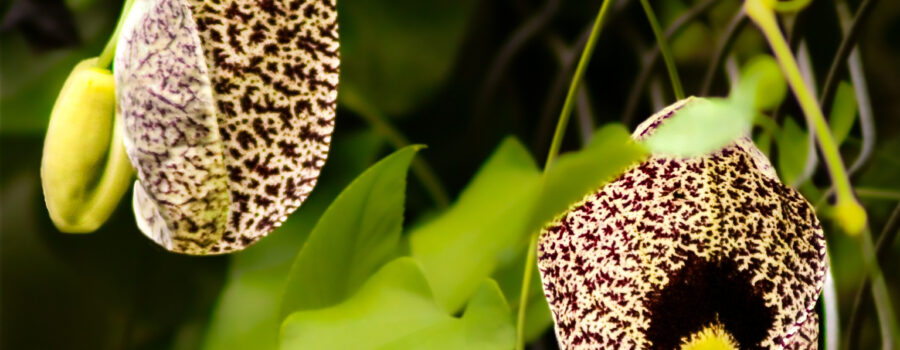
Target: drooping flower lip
(229, 108)
(675, 245)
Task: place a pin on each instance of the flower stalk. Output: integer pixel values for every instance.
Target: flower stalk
(555, 145)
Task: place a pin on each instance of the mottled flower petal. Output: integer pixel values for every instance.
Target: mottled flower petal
(229, 108)
(675, 245)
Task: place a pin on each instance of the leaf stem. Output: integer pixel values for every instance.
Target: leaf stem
(109, 51)
(555, 145)
(664, 49)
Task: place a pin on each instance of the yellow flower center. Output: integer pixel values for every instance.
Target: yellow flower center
(712, 337)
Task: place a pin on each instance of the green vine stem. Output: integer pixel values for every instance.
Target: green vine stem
(880, 294)
(109, 51)
(885, 241)
(787, 6)
(664, 50)
(555, 145)
(849, 213)
(852, 217)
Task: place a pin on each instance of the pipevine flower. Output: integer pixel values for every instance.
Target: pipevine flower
(84, 170)
(687, 252)
(229, 108)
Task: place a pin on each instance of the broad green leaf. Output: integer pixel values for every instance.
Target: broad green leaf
(768, 85)
(406, 45)
(792, 152)
(843, 112)
(355, 236)
(247, 315)
(462, 246)
(576, 174)
(507, 200)
(702, 126)
(394, 309)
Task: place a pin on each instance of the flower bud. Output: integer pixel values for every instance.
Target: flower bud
(228, 110)
(850, 216)
(83, 173)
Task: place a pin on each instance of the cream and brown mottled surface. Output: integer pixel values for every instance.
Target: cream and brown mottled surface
(674, 244)
(229, 107)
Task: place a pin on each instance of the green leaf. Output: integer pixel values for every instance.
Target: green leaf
(406, 45)
(506, 201)
(762, 78)
(394, 309)
(843, 112)
(356, 235)
(462, 246)
(792, 152)
(702, 126)
(247, 315)
(575, 174)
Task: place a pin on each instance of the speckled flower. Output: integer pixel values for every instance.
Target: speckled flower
(687, 252)
(229, 108)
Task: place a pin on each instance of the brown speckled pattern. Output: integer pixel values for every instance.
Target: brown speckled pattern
(229, 108)
(601, 260)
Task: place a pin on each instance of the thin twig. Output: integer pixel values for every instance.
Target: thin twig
(421, 169)
(804, 62)
(888, 234)
(832, 318)
(585, 114)
(555, 145)
(664, 49)
(652, 57)
(513, 45)
(567, 58)
(724, 46)
(861, 90)
(840, 57)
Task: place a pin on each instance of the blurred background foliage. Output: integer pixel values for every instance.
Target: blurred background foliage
(457, 76)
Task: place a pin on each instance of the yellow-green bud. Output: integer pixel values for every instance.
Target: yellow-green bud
(770, 87)
(850, 216)
(83, 178)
